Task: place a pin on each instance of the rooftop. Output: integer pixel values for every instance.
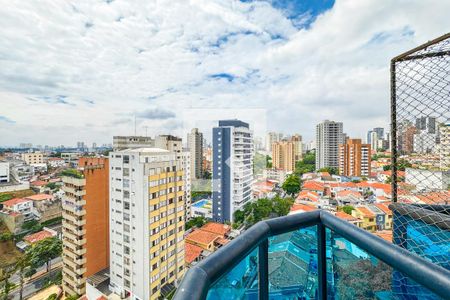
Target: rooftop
(216, 228)
(39, 236)
(39, 197)
(202, 237)
(14, 201)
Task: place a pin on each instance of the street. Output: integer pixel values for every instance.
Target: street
(34, 285)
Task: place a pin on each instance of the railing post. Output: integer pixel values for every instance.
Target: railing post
(322, 261)
(263, 272)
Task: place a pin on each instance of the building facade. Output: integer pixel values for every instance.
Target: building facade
(354, 158)
(132, 142)
(4, 172)
(31, 158)
(232, 171)
(147, 222)
(272, 137)
(284, 155)
(329, 135)
(85, 228)
(195, 145)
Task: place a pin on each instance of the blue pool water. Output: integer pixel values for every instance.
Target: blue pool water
(200, 203)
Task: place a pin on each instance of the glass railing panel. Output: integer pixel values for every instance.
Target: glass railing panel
(355, 274)
(241, 282)
(293, 265)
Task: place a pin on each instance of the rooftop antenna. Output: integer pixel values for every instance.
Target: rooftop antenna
(146, 127)
(134, 124)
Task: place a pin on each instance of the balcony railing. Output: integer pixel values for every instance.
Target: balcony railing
(313, 255)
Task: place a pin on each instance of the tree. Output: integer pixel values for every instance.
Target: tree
(291, 185)
(331, 170)
(195, 222)
(44, 251)
(282, 206)
(23, 268)
(306, 165)
(7, 286)
(348, 209)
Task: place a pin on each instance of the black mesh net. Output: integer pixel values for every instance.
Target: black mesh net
(420, 166)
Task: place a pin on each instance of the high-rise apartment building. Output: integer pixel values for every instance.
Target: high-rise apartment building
(354, 158)
(232, 171)
(195, 145)
(147, 222)
(329, 135)
(32, 158)
(380, 132)
(171, 143)
(373, 140)
(85, 227)
(427, 124)
(132, 142)
(297, 140)
(272, 137)
(424, 142)
(284, 155)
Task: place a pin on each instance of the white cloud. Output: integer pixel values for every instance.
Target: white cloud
(109, 61)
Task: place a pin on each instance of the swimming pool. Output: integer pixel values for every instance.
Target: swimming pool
(201, 203)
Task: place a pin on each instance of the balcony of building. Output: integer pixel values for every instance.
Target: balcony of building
(314, 255)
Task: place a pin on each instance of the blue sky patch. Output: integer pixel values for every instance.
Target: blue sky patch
(302, 13)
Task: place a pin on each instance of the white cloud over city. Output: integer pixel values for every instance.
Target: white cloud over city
(84, 70)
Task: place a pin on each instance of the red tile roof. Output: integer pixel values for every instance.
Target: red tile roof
(38, 236)
(347, 193)
(345, 216)
(216, 228)
(14, 201)
(313, 186)
(192, 252)
(310, 195)
(384, 207)
(365, 212)
(202, 237)
(38, 183)
(302, 207)
(39, 197)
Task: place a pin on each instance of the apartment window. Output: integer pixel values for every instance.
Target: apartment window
(155, 266)
(126, 172)
(126, 194)
(126, 205)
(126, 159)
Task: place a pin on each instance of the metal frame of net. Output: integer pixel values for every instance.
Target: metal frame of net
(420, 142)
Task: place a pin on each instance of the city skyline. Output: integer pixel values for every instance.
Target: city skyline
(249, 54)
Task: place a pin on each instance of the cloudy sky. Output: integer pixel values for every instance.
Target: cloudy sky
(85, 70)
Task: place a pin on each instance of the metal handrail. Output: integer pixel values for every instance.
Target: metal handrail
(199, 278)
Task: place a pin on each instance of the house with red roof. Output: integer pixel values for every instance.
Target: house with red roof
(192, 253)
(366, 216)
(349, 197)
(19, 205)
(262, 189)
(309, 196)
(46, 233)
(349, 218)
(300, 208)
(314, 186)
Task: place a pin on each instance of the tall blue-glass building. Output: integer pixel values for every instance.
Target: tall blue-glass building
(232, 168)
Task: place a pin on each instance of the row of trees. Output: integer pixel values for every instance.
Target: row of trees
(41, 253)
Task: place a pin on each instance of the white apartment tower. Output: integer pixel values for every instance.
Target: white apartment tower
(146, 222)
(329, 135)
(195, 145)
